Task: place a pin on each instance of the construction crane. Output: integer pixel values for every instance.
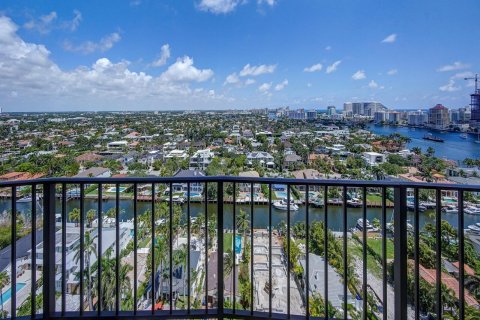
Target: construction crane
(476, 82)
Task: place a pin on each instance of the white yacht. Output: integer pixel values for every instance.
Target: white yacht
(472, 210)
(450, 209)
(178, 199)
(474, 229)
(283, 205)
(368, 225)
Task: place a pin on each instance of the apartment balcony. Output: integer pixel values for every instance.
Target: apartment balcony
(341, 250)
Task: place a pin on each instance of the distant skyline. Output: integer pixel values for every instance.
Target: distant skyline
(225, 54)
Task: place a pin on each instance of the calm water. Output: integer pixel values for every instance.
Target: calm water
(260, 219)
(454, 147)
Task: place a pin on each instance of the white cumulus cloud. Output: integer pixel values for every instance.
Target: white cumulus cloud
(449, 87)
(281, 85)
(104, 44)
(333, 67)
(265, 87)
(27, 69)
(249, 81)
(232, 79)
(313, 68)
(372, 84)
(253, 71)
(269, 2)
(184, 70)
(164, 56)
(359, 75)
(390, 38)
(457, 65)
(392, 72)
(219, 6)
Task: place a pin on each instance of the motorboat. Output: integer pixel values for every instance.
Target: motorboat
(390, 228)
(27, 198)
(317, 203)
(411, 207)
(450, 209)
(472, 210)
(24, 199)
(178, 199)
(464, 136)
(354, 202)
(474, 229)
(368, 226)
(428, 204)
(283, 205)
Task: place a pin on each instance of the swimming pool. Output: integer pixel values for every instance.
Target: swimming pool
(8, 294)
(238, 243)
(114, 189)
(281, 194)
(193, 194)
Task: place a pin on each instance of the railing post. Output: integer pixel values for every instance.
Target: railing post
(400, 250)
(220, 277)
(49, 250)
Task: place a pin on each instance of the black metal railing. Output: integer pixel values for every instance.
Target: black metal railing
(234, 247)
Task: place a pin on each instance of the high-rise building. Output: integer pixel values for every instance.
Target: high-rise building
(311, 115)
(363, 108)
(394, 116)
(438, 117)
(465, 114)
(380, 116)
(417, 118)
(475, 105)
(331, 110)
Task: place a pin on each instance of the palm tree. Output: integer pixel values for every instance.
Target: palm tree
(228, 262)
(243, 224)
(74, 216)
(108, 280)
(198, 225)
(417, 150)
(180, 259)
(472, 283)
(90, 247)
(4, 281)
(90, 217)
(125, 287)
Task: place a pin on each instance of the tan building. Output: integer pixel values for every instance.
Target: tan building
(438, 117)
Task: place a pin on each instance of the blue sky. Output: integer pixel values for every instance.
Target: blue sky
(219, 54)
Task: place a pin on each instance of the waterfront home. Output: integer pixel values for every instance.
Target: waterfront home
(245, 187)
(95, 172)
(176, 154)
(264, 158)
(117, 145)
(88, 157)
(307, 174)
(201, 159)
(373, 158)
(291, 160)
(196, 188)
(12, 176)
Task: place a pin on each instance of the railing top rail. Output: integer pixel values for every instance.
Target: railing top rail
(290, 181)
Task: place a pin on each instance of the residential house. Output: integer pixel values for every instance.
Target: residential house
(94, 172)
(307, 174)
(176, 154)
(196, 188)
(374, 158)
(246, 187)
(291, 160)
(201, 159)
(264, 158)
